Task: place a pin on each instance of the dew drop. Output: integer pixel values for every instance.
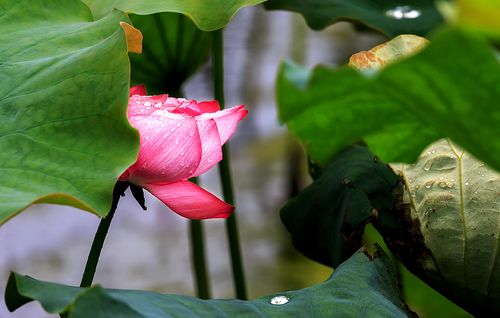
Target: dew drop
(279, 300)
(442, 184)
(410, 180)
(403, 12)
(147, 104)
(429, 184)
(427, 166)
(467, 183)
(449, 184)
(433, 151)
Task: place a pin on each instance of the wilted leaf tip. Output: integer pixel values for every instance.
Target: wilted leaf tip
(133, 36)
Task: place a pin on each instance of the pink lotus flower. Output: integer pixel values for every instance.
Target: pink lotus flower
(180, 139)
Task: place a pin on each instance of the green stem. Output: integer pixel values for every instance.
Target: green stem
(225, 173)
(198, 256)
(100, 236)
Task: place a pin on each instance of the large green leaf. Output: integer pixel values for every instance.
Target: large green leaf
(453, 210)
(172, 50)
(327, 219)
(364, 286)
(64, 135)
(391, 17)
(208, 15)
(451, 89)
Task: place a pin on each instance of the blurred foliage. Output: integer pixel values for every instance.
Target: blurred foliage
(391, 17)
(208, 15)
(451, 89)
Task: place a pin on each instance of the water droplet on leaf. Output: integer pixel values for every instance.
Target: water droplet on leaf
(279, 300)
(403, 12)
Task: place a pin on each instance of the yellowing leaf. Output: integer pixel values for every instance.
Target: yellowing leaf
(454, 200)
(134, 38)
(389, 52)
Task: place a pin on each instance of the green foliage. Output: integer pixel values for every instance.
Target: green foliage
(172, 50)
(391, 17)
(453, 199)
(64, 134)
(451, 89)
(364, 286)
(327, 219)
(208, 15)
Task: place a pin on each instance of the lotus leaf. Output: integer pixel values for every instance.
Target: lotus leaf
(451, 208)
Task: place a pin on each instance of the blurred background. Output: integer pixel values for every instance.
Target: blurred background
(150, 249)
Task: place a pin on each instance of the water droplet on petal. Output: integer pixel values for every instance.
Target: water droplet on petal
(403, 12)
(279, 300)
(433, 151)
(449, 184)
(147, 104)
(442, 184)
(429, 184)
(158, 105)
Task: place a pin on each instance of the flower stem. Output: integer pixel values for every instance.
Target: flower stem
(198, 256)
(225, 173)
(100, 236)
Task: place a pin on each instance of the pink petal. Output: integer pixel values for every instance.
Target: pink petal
(170, 148)
(210, 106)
(189, 200)
(211, 151)
(226, 120)
(145, 105)
(138, 90)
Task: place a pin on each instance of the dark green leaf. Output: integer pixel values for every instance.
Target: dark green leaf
(172, 50)
(64, 134)
(451, 89)
(327, 219)
(364, 286)
(391, 17)
(208, 15)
